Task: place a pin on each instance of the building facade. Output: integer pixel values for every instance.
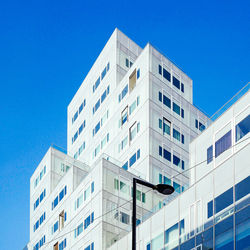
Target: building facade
(133, 115)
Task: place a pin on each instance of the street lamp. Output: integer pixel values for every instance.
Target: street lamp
(161, 188)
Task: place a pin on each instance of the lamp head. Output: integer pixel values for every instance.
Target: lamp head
(164, 189)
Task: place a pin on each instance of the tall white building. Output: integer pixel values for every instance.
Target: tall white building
(132, 116)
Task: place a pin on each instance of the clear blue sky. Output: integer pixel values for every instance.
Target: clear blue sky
(47, 48)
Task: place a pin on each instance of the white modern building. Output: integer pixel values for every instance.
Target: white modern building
(132, 116)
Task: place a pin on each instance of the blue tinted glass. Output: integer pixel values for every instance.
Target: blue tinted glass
(97, 83)
(196, 123)
(160, 123)
(210, 208)
(224, 234)
(182, 87)
(223, 144)
(210, 154)
(223, 200)
(103, 96)
(183, 164)
(176, 82)
(166, 101)
(177, 187)
(55, 201)
(176, 160)
(171, 235)
(104, 72)
(97, 127)
(61, 194)
(80, 108)
(166, 74)
(205, 238)
(182, 139)
(167, 155)
(138, 154)
(182, 113)
(92, 187)
(188, 244)
(160, 150)
(242, 128)
(148, 245)
(125, 166)
(97, 105)
(176, 134)
(80, 129)
(124, 91)
(138, 73)
(242, 229)
(160, 69)
(132, 160)
(242, 188)
(160, 96)
(176, 109)
(167, 181)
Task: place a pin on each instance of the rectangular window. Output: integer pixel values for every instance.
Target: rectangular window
(223, 200)
(160, 96)
(160, 150)
(196, 123)
(127, 63)
(104, 94)
(132, 132)
(92, 187)
(182, 113)
(125, 165)
(97, 127)
(176, 161)
(182, 87)
(242, 188)
(176, 82)
(160, 69)
(242, 128)
(166, 126)
(166, 101)
(223, 144)
(210, 154)
(80, 129)
(132, 107)
(167, 155)
(176, 135)
(124, 91)
(166, 75)
(166, 180)
(80, 108)
(176, 108)
(201, 126)
(104, 72)
(132, 81)
(182, 139)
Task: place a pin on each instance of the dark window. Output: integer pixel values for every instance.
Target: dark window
(188, 244)
(206, 239)
(138, 154)
(167, 155)
(176, 109)
(242, 188)
(182, 87)
(183, 165)
(176, 160)
(166, 101)
(166, 74)
(223, 144)
(196, 123)
(210, 154)
(182, 139)
(160, 69)
(223, 200)
(210, 209)
(125, 165)
(242, 128)
(160, 150)
(176, 82)
(138, 73)
(160, 96)
(127, 63)
(201, 126)
(160, 123)
(182, 113)
(124, 91)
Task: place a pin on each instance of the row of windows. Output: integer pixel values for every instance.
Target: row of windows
(100, 123)
(168, 156)
(230, 233)
(78, 112)
(167, 102)
(165, 180)
(80, 150)
(225, 142)
(132, 160)
(100, 78)
(39, 243)
(59, 197)
(87, 222)
(79, 200)
(39, 222)
(176, 82)
(100, 146)
(199, 125)
(165, 125)
(226, 199)
(90, 247)
(39, 199)
(40, 176)
(125, 188)
(101, 100)
(79, 131)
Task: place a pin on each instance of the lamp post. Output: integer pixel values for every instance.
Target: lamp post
(161, 188)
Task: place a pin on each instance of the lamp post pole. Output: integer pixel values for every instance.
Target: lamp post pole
(161, 188)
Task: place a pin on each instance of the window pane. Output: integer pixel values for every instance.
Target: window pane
(167, 155)
(167, 101)
(210, 154)
(242, 128)
(242, 188)
(176, 109)
(166, 74)
(223, 144)
(176, 82)
(223, 200)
